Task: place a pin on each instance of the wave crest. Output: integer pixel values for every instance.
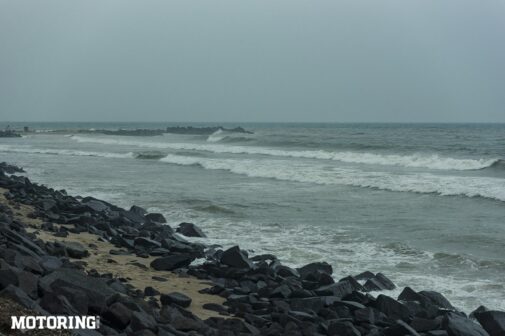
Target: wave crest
(424, 183)
(433, 161)
(69, 152)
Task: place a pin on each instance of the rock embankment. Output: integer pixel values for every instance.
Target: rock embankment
(65, 255)
(9, 134)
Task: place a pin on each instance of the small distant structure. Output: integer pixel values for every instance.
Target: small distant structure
(8, 133)
(26, 129)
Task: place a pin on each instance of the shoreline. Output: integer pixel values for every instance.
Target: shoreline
(257, 295)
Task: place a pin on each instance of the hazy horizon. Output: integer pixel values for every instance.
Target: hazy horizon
(225, 61)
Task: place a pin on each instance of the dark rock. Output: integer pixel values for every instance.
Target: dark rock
(146, 243)
(351, 305)
(215, 307)
(25, 245)
(392, 308)
(57, 304)
(480, 309)
(492, 321)
(190, 230)
(47, 204)
(315, 267)
(379, 282)
(138, 210)
(314, 304)
(339, 328)
(436, 333)
(76, 297)
(74, 249)
(400, 328)
(17, 295)
(234, 257)
(150, 291)
(118, 315)
(144, 332)
(437, 299)
(176, 246)
(96, 205)
(140, 320)
(156, 217)
(457, 325)
(8, 277)
(354, 283)
(370, 315)
(95, 289)
(282, 291)
(285, 271)
(421, 324)
(172, 262)
(177, 298)
(28, 282)
(364, 276)
(181, 320)
(338, 289)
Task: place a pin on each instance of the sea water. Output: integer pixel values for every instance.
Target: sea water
(422, 203)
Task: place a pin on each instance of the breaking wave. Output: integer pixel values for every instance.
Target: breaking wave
(433, 161)
(69, 152)
(226, 136)
(426, 183)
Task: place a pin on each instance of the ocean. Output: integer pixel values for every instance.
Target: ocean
(422, 203)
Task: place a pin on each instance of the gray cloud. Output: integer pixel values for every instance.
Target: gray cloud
(286, 60)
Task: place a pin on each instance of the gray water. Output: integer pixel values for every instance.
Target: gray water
(423, 203)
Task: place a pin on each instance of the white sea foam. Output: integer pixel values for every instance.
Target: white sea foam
(487, 187)
(216, 136)
(70, 152)
(420, 160)
(348, 254)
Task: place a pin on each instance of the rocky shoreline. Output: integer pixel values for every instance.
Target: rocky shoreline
(65, 255)
(9, 134)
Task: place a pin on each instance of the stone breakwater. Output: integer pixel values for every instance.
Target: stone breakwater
(65, 255)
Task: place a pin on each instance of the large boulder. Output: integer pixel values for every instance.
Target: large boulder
(17, 295)
(457, 325)
(24, 245)
(190, 230)
(96, 289)
(493, 322)
(378, 283)
(338, 289)
(8, 277)
(234, 257)
(140, 320)
(312, 268)
(73, 249)
(146, 243)
(96, 205)
(392, 308)
(172, 262)
(57, 304)
(118, 315)
(177, 298)
(437, 299)
(156, 217)
(342, 328)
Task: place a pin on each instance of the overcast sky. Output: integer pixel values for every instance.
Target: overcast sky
(237, 60)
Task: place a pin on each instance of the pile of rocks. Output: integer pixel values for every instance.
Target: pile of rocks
(9, 134)
(263, 297)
